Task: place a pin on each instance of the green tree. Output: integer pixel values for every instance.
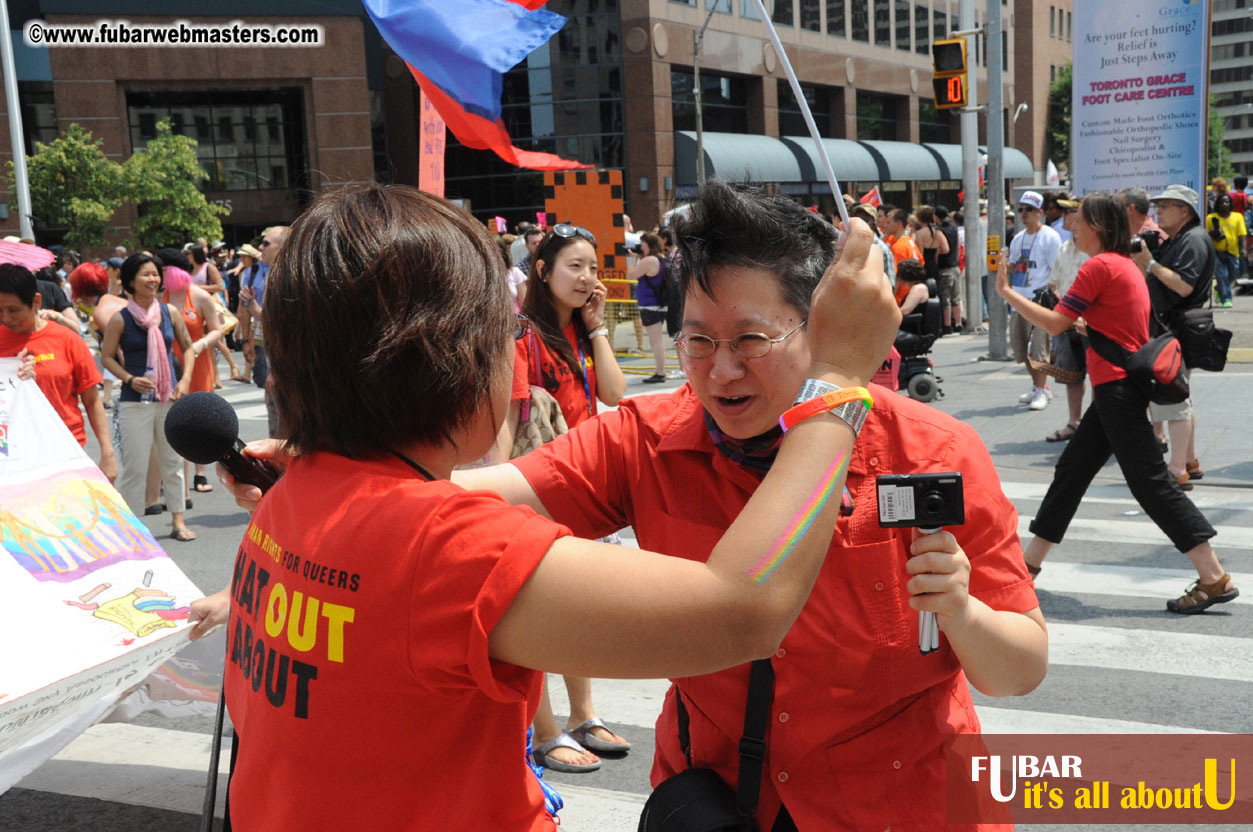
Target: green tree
(1059, 117)
(1218, 157)
(161, 181)
(72, 186)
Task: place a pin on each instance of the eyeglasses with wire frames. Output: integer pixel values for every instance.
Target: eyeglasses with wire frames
(746, 344)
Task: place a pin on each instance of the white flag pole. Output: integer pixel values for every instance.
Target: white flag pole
(809, 117)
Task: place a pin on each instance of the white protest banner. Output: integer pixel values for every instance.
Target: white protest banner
(89, 603)
(1140, 87)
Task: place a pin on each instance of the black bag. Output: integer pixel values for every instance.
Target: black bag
(1204, 345)
(1046, 297)
(697, 799)
(1158, 364)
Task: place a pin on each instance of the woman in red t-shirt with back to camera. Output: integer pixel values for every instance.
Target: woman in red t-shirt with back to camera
(1110, 295)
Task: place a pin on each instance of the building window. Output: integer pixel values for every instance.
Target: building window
(1004, 51)
(922, 44)
(882, 23)
(1052, 74)
(835, 18)
(1052, 21)
(902, 25)
(724, 101)
(721, 6)
(792, 121)
(934, 126)
(876, 116)
(811, 15)
(236, 155)
(861, 20)
(684, 2)
(782, 13)
(748, 10)
(1068, 30)
(939, 21)
(39, 113)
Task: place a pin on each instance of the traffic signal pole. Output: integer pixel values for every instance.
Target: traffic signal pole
(998, 317)
(975, 244)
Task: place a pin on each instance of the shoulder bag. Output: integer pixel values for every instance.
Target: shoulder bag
(697, 799)
(1158, 364)
(541, 420)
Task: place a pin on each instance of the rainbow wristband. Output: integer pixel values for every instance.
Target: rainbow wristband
(851, 404)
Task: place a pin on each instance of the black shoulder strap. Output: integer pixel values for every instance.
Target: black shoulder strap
(1107, 348)
(753, 743)
(685, 737)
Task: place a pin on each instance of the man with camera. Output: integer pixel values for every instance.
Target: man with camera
(1180, 276)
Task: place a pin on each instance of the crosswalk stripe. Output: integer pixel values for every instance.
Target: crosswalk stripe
(1204, 497)
(1126, 581)
(1143, 531)
(1150, 651)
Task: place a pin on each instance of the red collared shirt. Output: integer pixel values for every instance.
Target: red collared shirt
(858, 714)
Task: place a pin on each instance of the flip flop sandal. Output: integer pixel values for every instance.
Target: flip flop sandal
(200, 483)
(183, 535)
(563, 740)
(584, 736)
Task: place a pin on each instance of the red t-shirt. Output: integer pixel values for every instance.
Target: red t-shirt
(358, 674)
(64, 368)
(576, 396)
(858, 714)
(1111, 295)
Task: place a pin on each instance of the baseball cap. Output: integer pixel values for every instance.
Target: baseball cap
(1180, 193)
(114, 262)
(1031, 198)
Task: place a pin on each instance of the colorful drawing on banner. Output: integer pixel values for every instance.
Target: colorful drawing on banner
(69, 525)
(431, 152)
(4, 440)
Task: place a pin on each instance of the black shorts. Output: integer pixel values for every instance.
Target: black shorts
(648, 317)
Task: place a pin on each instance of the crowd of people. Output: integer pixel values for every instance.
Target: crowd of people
(151, 324)
(470, 539)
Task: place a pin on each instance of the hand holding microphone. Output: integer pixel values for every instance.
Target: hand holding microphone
(203, 428)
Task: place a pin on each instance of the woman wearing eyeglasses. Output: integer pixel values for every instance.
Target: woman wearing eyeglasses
(566, 350)
(391, 655)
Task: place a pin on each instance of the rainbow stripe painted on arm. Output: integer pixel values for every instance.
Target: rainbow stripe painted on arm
(787, 542)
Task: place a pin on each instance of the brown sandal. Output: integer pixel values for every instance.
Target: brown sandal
(1194, 469)
(1200, 597)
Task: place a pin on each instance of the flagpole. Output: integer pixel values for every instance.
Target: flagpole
(16, 135)
(804, 105)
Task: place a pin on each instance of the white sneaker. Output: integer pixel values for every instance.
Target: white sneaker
(1026, 398)
(1039, 399)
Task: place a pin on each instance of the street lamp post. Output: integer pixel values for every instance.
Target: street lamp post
(697, 37)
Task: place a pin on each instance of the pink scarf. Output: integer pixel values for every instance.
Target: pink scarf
(158, 359)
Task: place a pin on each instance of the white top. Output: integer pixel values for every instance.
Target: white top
(1031, 259)
(1057, 225)
(1069, 259)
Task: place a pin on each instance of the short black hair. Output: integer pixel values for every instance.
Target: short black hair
(17, 280)
(533, 231)
(741, 225)
(131, 268)
(941, 213)
(910, 271)
(1241, 182)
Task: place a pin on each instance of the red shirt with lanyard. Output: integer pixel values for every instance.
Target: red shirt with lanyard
(577, 396)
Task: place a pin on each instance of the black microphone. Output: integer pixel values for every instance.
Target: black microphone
(203, 428)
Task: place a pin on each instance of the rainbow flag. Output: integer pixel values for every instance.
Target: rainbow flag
(459, 52)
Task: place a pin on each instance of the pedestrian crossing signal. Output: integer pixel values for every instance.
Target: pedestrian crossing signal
(948, 59)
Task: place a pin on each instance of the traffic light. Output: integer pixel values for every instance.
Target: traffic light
(948, 59)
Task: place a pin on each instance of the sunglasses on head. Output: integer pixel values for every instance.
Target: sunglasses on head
(566, 231)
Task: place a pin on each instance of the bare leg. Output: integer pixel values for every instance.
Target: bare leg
(546, 729)
(152, 492)
(1037, 550)
(656, 342)
(1205, 560)
(957, 315)
(1180, 442)
(579, 689)
(1039, 379)
(1074, 399)
(639, 332)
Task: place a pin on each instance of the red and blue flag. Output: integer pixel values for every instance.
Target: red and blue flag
(459, 52)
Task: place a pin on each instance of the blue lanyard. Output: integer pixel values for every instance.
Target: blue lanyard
(587, 384)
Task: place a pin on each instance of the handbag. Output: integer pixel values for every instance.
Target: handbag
(1204, 345)
(229, 321)
(697, 799)
(540, 420)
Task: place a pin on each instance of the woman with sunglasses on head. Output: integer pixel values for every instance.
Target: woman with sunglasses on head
(565, 349)
(399, 664)
(1109, 296)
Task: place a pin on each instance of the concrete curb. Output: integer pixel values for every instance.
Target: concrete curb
(1240, 355)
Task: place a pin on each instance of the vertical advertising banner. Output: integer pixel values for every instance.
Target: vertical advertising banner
(1138, 109)
(431, 149)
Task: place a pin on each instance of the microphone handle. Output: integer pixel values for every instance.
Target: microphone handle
(248, 469)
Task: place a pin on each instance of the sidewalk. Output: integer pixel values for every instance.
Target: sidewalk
(1238, 319)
